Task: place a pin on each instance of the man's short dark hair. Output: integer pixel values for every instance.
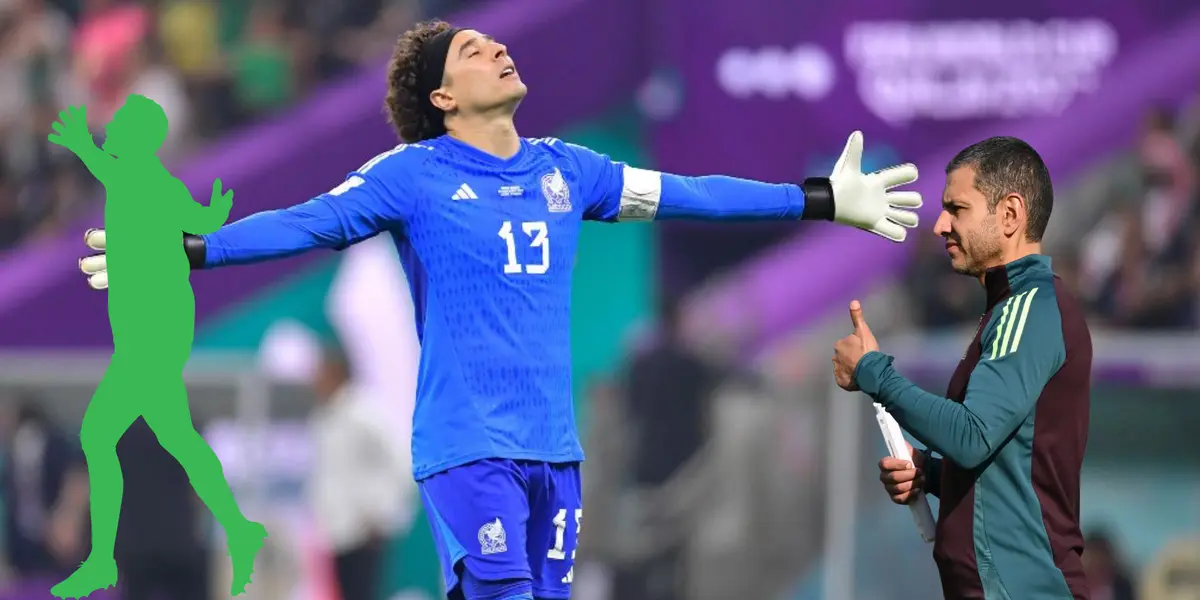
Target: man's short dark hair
(404, 101)
(1007, 165)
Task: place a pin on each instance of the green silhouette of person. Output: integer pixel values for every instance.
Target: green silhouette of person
(151, 310)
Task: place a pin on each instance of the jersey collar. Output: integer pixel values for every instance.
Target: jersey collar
(1000, 281)
(476, 154)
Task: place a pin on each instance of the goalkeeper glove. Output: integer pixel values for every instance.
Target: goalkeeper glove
(95, 266)
(864, 200)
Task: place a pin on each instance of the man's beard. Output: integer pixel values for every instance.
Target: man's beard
(982, 248)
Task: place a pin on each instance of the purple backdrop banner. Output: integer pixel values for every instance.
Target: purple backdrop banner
(46, 303)
(771, 90)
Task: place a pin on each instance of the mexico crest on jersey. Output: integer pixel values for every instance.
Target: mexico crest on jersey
(492, 539)
(558, 195)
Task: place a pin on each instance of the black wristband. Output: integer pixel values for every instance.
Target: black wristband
(818, 199)
(193, 246)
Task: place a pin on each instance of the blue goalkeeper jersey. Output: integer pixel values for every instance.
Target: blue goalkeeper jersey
(488, 245)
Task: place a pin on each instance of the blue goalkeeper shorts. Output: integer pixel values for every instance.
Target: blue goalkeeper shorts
(505, 528)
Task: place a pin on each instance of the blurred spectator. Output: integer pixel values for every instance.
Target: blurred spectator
(46, 495)
(190, 30)
(149, 76)
(1174, 572)
(941, 297)
(108, 35)
(36, 53)
(605, 483)
(668, 387)
(667, 392)
(35, 73)
(396, 16)
(360, 478)
(192, 33)
(261, 63)
(1108, 576)
(1189, 125)
(162, 547)
(1168, 175)
(13, 219)
(340, 29)
(1140, 264)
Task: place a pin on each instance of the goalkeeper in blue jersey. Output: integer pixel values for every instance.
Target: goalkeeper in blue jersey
(486, 224)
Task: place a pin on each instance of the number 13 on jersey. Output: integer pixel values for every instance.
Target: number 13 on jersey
(538, 237)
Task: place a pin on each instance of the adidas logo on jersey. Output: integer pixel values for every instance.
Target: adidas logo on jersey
(464, 193)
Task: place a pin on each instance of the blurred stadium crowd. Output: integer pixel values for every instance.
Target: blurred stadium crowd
(212, 64)
(1129, 249)
(698, 476)
(1134, 257)
(680, 432)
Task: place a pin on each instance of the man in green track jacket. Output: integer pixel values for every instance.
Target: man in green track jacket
(1012, 428)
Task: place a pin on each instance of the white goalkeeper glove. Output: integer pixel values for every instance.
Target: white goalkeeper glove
(863, 200)
(95, 266)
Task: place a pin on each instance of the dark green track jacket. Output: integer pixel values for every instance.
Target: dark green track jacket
(1011, 433)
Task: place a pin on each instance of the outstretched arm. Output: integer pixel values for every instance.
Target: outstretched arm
(352, 212)
(615, 191)
(722, 198)
(378, 196)
(618, 192)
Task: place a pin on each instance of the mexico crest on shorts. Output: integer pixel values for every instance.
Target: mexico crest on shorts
(492, 539)
(558, 195)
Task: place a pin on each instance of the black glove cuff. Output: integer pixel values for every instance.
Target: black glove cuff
(193, 246)
(818, 199)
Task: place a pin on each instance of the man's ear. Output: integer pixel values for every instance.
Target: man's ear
(1013, 213)
(442, 100)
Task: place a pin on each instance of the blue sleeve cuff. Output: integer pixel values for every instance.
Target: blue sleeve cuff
(871, 370)
(205, 251)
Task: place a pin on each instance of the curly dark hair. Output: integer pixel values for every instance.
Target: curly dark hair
(405, 104)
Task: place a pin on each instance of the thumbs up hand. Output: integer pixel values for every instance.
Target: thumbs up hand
(850, 349)
(860, 327)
